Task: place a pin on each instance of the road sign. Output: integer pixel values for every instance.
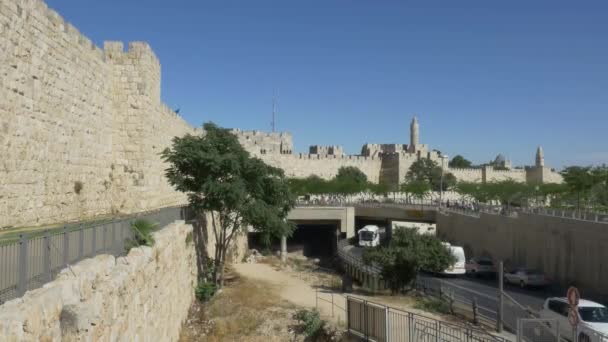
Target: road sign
(573, 296)
(572, 317)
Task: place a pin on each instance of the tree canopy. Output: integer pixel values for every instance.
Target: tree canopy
(460, 162)
(427, 170)
(407, 253)
(219, 176)
(349, 180)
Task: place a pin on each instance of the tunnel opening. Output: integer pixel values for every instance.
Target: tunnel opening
(314, 240)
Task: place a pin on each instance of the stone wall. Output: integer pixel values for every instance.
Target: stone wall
(144, 296)
(325, 166)
(80, 127)
(566, 249)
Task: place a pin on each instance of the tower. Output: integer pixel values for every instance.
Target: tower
(540, 157)
(414, 130)
(414, 133)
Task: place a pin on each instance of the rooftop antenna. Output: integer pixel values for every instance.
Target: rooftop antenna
(274, 103)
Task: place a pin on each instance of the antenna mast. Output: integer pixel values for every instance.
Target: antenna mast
(274, 100)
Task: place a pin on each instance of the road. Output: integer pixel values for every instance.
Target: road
(484, 291)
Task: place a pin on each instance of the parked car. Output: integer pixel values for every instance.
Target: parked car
(593, 319)
(526, 277)
(480, 266)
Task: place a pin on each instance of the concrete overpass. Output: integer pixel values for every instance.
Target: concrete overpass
(345, 216)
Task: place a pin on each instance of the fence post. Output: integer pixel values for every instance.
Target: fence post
(47, 255)
(81, 242)
(411, 326)
(22, 280)
(94, 241)
(437, 330)
(500, 296)
(113, 237)
(66, 246)
(475, 318)
(388, 326)
(347, 314)
(332, 304)
(105, 236)
(317, 298)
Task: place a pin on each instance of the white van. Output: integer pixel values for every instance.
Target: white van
(369, 236)
(458, 268)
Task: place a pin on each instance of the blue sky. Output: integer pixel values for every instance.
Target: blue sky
(483, 77)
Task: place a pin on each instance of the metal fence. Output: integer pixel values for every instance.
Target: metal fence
(377, 322)
(538, 330)
(36, 258)
(569, 213)
(478, 307)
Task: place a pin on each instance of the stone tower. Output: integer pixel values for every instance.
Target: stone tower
(414, 134)
(540, 157)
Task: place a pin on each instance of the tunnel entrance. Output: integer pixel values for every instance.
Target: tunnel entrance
(313, 240)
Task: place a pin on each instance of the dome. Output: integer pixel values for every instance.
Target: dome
(500, 159)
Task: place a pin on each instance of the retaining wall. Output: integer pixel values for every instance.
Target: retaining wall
(144, 296)
(565, 249)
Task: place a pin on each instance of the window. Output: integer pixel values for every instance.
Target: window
(366, 236)
(559, 307)
(594, 314)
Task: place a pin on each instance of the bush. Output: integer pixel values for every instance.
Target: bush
(311, 319)
(432, 304)
(142, 233)
(204, 291)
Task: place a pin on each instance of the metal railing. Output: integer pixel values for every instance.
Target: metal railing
(378, 322)
(354, 261)
(479, 307)
(36, 258)
(569, 214)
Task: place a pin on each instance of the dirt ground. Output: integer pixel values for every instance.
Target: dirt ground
(252, 307)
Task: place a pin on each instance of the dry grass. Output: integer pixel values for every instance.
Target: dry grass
(245, 310)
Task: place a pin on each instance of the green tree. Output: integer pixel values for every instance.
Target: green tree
(407, 253)
(219, 176)
(579, 181)
(416, 188)
(351, 174)
(460, 162)
(426, 170)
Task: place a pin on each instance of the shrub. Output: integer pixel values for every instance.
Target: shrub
(142, 233)
(311, 319)
(204, 291)
(432, 304)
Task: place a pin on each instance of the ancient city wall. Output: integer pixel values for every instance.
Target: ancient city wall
(566, 249)
(80, 127)
(325, 166)
(467, 175)
(492, 175)
(144, 296)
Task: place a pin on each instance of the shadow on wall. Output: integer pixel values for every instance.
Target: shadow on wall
(201, 240)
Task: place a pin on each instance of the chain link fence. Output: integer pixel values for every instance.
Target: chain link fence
(35, 259)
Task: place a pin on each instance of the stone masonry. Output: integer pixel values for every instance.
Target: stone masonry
(144, 296)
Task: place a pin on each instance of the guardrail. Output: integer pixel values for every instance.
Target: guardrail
(36, 258)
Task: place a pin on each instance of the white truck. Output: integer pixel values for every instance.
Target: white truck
(369, 236)
(458, 268)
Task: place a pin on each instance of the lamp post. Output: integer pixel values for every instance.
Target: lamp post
(443, 158)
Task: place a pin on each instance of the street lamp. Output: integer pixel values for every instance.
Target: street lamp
(443, 158)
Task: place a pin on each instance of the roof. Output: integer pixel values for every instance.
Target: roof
(369, 227)
(582, 302)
